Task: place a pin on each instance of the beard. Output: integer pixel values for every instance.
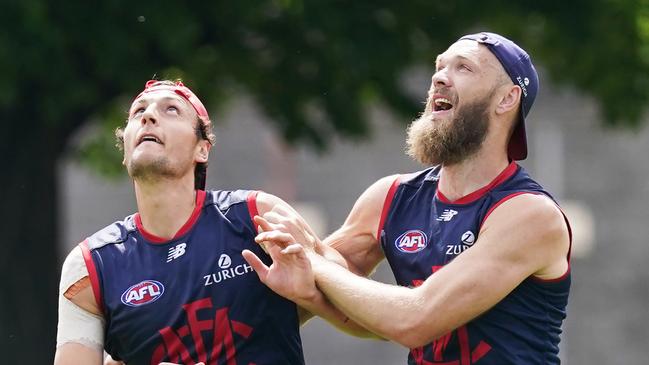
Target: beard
(449, 142)
(151, 170)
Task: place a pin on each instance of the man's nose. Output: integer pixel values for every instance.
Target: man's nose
(440, 78)
(148, 116)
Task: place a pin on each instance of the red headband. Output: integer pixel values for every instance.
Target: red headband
(180, 89)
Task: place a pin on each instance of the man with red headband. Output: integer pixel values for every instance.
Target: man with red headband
(169, 283)
(479, 249)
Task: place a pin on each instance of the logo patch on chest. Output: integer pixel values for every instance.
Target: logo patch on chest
(467, 238)
(411, 241)
(227, 271)
(144, 292)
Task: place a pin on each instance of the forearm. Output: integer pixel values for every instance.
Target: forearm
(386, 310)
(323, 308)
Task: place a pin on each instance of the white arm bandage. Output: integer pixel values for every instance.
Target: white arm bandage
(75, 323)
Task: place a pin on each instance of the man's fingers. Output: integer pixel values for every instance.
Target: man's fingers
(262, 224)
(281, 239)
(295, 248)
(260, 268)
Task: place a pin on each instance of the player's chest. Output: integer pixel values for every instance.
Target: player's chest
(160, 277)
(431, 237)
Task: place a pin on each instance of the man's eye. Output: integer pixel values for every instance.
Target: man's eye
(172, 109)
(137, 111)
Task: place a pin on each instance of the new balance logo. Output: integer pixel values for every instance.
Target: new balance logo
(447, 215)
(176, 251)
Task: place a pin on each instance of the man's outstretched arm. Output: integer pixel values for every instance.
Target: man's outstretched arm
(524, 236)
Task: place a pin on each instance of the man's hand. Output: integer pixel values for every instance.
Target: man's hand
(282, 219)
(290, 274)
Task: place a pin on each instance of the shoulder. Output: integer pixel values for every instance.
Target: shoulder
(224, 199)
(265, 202)
(534, 209)
(369, 209)
(75, 283)
(533, 225)
(114, 233)
(377, 193)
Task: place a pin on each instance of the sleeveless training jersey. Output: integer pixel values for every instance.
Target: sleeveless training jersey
(421, 231)
(192, 298)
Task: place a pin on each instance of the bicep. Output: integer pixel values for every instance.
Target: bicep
(361, 252)
(357, 239)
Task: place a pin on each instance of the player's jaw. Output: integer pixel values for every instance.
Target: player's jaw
(161, 150)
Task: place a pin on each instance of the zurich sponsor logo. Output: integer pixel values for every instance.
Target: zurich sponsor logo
(144, 292)
(411, 241)
(468, 238)
(225, 261)
(227, 271)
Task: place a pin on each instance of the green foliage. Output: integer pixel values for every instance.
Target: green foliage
(67, 62)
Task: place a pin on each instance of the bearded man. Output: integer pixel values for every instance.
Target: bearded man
(479, 250)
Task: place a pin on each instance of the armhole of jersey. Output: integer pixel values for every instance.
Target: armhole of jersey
(252, 208)
(565, 218)
(387, 204)
(565, 274)
(92, 273)
(498, 203)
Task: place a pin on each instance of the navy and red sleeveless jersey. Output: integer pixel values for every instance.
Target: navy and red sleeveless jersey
(192, 298)
(421, 231)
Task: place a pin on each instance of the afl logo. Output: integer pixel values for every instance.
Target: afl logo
(412, 241)
(145, 292)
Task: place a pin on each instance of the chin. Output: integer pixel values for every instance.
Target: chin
(148, 166)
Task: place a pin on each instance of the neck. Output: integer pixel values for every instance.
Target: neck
(461, 179)
(165, 206)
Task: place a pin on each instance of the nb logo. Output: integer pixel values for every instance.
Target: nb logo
(176, 251)
(447, 215)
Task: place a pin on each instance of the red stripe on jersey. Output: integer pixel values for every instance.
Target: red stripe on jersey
(252, 208)
(386, 206)
(508, 172)
(498, 203)
(92, 273)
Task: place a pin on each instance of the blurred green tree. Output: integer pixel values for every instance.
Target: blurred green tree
(72, 62)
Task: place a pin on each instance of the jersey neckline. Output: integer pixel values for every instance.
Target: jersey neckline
(472, 197)
(200, 199)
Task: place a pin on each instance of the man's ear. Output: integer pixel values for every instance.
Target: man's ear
(509, 100)
(202, 151)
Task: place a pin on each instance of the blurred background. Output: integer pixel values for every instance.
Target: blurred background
(310, 101)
